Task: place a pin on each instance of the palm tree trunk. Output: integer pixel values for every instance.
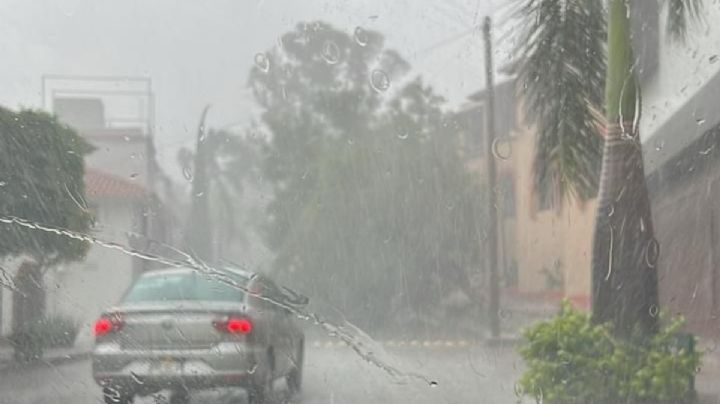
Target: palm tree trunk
(624, 277)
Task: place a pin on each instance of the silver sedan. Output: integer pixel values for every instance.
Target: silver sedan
(180, 329)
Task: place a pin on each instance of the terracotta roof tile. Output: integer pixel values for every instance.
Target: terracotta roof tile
(102, 185)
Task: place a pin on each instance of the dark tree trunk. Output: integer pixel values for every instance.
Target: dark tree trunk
(625, 251)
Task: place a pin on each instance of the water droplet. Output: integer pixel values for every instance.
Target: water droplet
(331, 52)
(652, 252)
(713, 59)
(134, 175)
(127, 138)
(203, 133)
(402, 135)
(503, 314)
(713, 345)
(659, 144)
(262, 62)
(137, 379)
(501, 148)
(379, 81)
(653, 311)
(361, 37)
(3, 183)
(199, 194)
(433, 384)
(700, 121)
(187, 173)
(519, 392)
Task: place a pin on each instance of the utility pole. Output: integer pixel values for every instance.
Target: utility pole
(492, 211)
(198, 230)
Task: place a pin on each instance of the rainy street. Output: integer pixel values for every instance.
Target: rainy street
(357, 202)
(332, 375)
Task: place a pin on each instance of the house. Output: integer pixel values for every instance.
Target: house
(544, 247)
(131, 202)
(548, 247)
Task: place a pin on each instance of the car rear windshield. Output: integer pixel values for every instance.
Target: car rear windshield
(175, 286)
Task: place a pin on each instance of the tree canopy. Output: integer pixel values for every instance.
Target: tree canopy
(41, 180)
(369, 190)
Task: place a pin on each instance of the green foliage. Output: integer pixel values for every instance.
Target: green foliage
(560, 61)
(41, 180)
(222, 165)
(59, 331)
(570, 360)
(51, 332)
(369, 190)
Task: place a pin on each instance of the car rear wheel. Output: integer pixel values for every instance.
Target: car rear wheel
(180, 396)
(262, 388)
(294, 378)
(113, 395)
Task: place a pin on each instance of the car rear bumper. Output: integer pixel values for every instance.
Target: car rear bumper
(148, 370)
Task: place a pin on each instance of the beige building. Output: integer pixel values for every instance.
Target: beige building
(545, 250)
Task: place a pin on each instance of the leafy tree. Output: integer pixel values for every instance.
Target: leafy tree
(372, 207)
(569, 52)
(41, 180)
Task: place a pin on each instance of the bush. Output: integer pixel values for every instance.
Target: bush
(51, 332)
(59, 331)
(570, 360)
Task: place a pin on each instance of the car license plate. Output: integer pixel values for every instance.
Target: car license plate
(166, 365)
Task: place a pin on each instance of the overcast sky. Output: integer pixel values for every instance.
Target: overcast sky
(200, 52)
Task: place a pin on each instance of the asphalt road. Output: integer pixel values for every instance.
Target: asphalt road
(332, 375)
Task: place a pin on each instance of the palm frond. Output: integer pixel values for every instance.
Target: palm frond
(679, 14)
(560, 58)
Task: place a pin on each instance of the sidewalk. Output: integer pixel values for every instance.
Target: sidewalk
(52, 356)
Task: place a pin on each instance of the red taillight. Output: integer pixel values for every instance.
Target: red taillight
(235, 325)
(106, 325)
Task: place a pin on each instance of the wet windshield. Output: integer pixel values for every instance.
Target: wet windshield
(457, 201)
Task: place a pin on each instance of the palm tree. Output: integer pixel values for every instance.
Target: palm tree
(567, 53)
(222, 161)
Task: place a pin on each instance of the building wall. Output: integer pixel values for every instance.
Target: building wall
(83, 290)
(558, 238)
(536, 240)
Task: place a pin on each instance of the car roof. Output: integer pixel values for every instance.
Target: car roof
(246, 275)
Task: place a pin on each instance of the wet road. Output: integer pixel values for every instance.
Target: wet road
(471, 374)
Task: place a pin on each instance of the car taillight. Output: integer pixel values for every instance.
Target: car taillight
(234, 325)
(107, 325)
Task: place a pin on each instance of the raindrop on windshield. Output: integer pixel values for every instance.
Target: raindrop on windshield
(700, 121)
(3, 183)
(134, 175)
(330, 52)
(518, 390)
(433, 384)
(659, 144)
(379, 81)
(501, 149)
(652, 252)
(653, 311)
(713, 58)
(361, 37)
(262, 62)
(187, 173)
(403, 134)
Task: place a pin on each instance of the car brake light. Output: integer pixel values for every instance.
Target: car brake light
(234, 325)
(106, 325)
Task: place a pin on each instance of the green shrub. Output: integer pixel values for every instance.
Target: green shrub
(51, 332)
(570, 360)
(59, 331)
